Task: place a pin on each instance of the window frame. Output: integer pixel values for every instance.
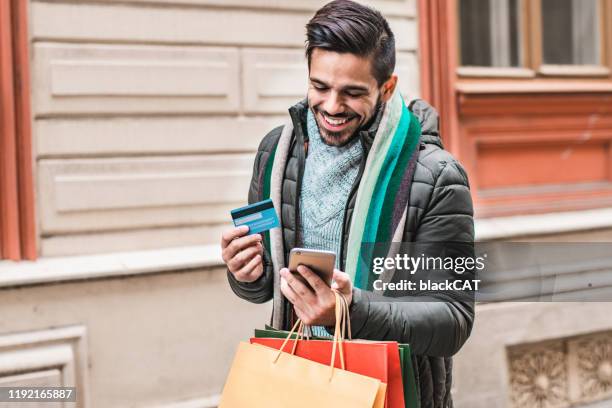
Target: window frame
(531, 53)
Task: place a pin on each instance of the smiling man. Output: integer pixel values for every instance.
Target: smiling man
(354, 166)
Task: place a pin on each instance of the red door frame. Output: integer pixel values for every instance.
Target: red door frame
(17, 215)
(438, 63)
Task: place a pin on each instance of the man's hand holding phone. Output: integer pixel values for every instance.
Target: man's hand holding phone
(242, 253)
(315, 302)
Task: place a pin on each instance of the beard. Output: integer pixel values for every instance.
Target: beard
(345, 136)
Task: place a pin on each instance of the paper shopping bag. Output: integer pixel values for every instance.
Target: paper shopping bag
(411, 398)
(255, 381)
(375, 359)
(368, 361)
(262, 376)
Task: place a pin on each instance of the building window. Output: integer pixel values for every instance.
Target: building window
(570, 32)
(490, 33)
(534, 37)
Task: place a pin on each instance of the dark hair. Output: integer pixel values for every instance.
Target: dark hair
(345, 26)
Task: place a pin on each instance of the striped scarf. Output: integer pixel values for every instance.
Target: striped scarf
(382, 198)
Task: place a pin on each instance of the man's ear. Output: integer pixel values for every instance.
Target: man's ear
(388, 88)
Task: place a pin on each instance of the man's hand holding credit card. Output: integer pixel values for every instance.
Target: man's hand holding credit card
(241, 247)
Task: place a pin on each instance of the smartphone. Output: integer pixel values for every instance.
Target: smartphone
(321, 262)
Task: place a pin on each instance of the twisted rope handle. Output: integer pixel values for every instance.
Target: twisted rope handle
(342, 322)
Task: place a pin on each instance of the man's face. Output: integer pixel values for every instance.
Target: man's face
(343, 94)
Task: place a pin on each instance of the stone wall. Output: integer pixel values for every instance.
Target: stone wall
(147, 112)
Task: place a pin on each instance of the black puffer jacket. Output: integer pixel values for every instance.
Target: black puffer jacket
(440, 210)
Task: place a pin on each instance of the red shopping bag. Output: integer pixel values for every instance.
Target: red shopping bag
(378, 360)
(395, 386)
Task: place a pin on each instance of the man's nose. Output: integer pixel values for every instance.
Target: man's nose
(333, 104)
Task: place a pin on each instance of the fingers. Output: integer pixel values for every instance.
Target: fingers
(299, 307)
(302, 315)
(243, 257)
(232, 234)
(313, 279)
(299, 288)
(232, 253)
(288, 292)
(251, 271)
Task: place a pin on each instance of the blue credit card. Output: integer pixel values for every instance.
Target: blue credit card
(259, 216)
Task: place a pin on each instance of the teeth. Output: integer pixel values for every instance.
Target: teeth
(335, 122)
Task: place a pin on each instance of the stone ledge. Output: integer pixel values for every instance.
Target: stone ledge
(118, 264)
(204, 402)
(542, 224)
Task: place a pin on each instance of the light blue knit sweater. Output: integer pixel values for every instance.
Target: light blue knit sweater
(329, 174)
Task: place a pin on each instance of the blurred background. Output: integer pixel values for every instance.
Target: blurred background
(127, 133)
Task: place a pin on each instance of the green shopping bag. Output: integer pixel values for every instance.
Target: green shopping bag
(411, 398)
(272, 333)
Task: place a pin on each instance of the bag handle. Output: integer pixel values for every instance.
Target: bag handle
(338, 337)
(347, 317)
(342, 321)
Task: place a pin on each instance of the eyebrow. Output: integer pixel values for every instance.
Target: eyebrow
(345, 88)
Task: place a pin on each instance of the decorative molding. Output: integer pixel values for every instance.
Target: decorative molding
(128, 79)
(591, 363)
(51, 21)
(538, 377)
(593, 107)
(273, 79)
(107, 184)
(495, 72)
(112, 194)
(554, 131)
(561, 373)
(395, 8)
(117, 78)
(31, 354)
(531, 87)
(111, 137)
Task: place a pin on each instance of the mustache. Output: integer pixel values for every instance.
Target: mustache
(344, 115)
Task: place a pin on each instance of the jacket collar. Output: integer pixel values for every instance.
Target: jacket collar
(429, 120)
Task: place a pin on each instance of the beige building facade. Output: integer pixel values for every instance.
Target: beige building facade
(145, 118)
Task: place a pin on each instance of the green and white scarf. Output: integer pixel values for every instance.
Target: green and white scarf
(382, 198)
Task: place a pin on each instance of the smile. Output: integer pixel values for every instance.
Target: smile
(335, 124)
